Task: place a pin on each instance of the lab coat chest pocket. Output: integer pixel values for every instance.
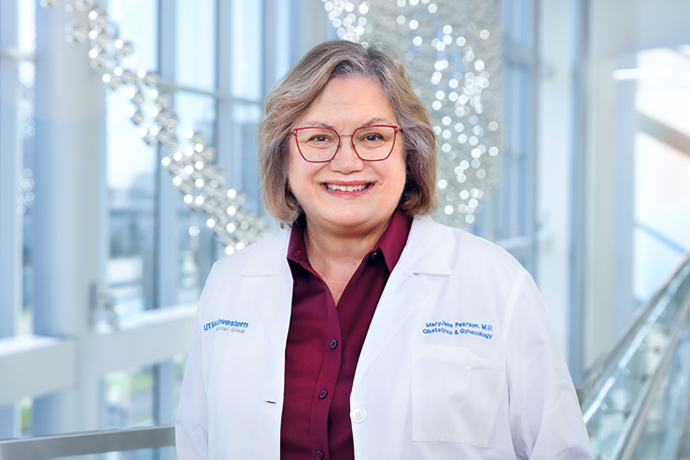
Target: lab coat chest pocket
(456, 393)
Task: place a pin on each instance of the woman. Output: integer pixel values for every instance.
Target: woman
(366, 330)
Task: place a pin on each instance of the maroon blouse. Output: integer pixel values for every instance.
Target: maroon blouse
(324, 343)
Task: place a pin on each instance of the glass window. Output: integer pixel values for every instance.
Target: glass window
(194, 257)
(246, 119)
(137, 22)
(179, 365)
(131, 169)
(131, 172)
(197, 112)
(25, 416)
(662, 168)
(508, 217)
(247, 49)
(195, 40)
(129, 398)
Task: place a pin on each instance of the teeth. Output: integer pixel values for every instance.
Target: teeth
(344, 188)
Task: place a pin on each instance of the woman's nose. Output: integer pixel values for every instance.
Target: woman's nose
(346, 159)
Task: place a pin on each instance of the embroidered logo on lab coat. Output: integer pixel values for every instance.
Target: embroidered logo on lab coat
(226, 325)
(459, 328)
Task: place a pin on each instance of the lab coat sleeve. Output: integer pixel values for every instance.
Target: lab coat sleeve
(545, 415)
(191, 425)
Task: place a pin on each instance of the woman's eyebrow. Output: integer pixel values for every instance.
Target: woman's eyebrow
(317, 123)
(376, 120)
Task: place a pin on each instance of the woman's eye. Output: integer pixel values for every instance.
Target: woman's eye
(371, 138)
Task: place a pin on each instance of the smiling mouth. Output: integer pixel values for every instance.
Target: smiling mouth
(347, 188)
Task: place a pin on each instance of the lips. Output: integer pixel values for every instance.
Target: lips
(346, 188)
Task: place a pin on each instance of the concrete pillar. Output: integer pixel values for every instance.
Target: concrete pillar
(10, 219)
(69, 109)
(554, 147)
(609, 171)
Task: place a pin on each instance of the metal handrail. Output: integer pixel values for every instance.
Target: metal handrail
(95, 442)
(632, 430)
(591, 379)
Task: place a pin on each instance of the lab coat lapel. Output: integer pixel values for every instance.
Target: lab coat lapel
(269, 281)
(405, 289)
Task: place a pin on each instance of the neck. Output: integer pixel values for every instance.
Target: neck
(328, 248)
(336, 256)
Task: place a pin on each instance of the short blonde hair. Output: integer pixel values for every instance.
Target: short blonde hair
(296, 92)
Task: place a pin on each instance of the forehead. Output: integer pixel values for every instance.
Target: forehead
(350, 101)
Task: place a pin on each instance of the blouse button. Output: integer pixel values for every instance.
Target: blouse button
(319, 455)
(334, 344)
(323, 394)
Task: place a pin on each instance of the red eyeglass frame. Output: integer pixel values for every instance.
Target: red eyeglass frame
(352, 142)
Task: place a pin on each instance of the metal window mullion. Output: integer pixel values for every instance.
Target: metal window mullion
(531, 182)
(224, 124)
(502, 191)
(166, 243)
(518, 150)
(167, 198)
(623, 180)
(270, 39)
(248, 149)
(516, 156)
(578, 193)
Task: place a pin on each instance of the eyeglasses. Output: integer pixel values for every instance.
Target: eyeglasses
(370, 143)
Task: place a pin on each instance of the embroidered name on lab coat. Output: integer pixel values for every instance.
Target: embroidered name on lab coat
(459, 328)
(226, 325)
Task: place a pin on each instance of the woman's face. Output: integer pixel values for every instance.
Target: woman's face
(325, 190)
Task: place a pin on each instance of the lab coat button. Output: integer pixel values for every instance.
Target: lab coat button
(358, 415)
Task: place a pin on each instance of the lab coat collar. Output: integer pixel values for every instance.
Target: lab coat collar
(425, 250)
(271, 260)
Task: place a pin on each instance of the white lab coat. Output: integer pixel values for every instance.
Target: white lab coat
(459, 361)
